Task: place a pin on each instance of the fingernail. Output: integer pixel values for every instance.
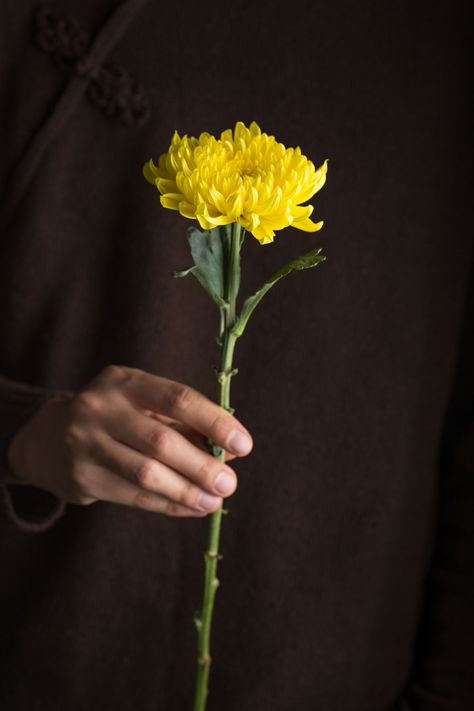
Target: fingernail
(224, 483)
(239, 442)
(207, 502)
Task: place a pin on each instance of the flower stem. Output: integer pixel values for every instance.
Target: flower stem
(203, 620)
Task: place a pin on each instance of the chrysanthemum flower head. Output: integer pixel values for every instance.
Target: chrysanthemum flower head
(244, 176)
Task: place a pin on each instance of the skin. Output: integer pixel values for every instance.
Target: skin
(131, 438)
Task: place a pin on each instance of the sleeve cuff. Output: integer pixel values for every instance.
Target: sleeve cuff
(31, 509)
(27, 507)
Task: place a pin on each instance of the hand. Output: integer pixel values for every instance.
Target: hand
(132, 438)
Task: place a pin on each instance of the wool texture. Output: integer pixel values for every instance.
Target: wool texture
(346, 582)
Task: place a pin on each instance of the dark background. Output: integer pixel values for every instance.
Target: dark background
(346, 582)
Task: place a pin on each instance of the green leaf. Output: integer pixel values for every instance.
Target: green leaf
(208, 255)
(310, 259)
(195, 271)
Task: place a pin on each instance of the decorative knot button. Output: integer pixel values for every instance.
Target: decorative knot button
(111, 87)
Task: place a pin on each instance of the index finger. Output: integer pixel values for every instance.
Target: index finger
(188, 405)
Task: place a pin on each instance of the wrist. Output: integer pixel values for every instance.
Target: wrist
(14, 461)
(18, 450)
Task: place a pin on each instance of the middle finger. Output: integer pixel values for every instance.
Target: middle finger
(169, 446)
(189, 432)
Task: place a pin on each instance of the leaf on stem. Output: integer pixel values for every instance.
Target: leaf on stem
(310, 259)
(207, 251)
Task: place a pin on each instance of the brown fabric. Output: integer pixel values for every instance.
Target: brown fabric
(30, 508)
(346, 581)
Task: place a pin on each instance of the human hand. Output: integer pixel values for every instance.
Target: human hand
(131, 438)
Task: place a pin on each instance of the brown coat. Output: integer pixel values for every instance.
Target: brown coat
(346, 581)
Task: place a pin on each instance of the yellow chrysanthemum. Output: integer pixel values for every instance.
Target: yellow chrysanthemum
(247, 177)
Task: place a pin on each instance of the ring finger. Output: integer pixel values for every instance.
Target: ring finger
(108, 486)
(152, 475)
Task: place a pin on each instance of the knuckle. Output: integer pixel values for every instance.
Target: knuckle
(78, 480)
(145, 474)
(206, 474)
(171, 508)
(220, 427)
(144, 500)
(79, 486)
(74, 436)
(86, 403)
(161, 439)
(116, 373)
(188, 495)
(180, 397)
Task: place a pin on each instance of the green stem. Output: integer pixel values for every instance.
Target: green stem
(204, 618)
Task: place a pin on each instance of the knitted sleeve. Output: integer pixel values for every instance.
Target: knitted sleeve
(28, 508)
(442, 677)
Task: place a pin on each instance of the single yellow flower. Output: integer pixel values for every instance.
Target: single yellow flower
(246, 177)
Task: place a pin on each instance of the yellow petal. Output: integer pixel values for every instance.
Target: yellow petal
(250, 221)
(234, 204)
(272, 204)
(220, 220)
(308, 225)
(251, 199)
(150, 172)
(204, 223)
(301, 213)
(278, 222)
(171, 200)
(321, 176)
(166, 186)
(187, 210)
(211, 220)
(226, 135)
(255, 129)
(217, 198)
(176, 140)
(314, 185)
(263, 233)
